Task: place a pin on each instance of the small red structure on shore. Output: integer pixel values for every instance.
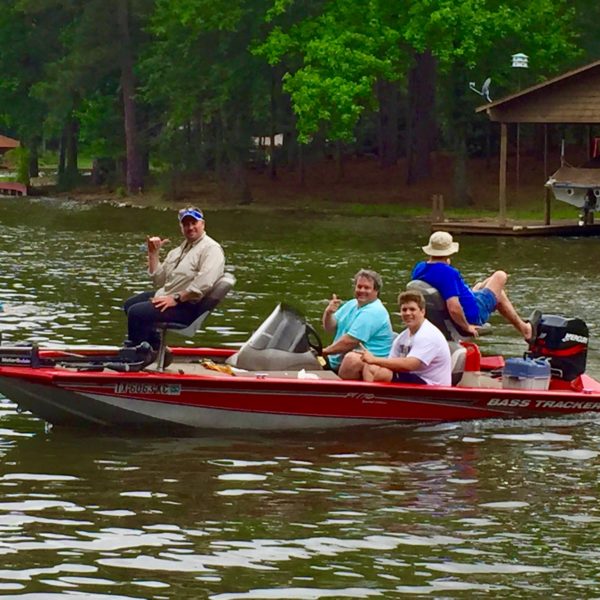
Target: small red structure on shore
(10, 188)
(7, 143)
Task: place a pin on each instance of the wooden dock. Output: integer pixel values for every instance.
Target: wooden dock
(564, 228)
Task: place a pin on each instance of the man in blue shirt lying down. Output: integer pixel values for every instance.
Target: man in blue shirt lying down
(469, 307)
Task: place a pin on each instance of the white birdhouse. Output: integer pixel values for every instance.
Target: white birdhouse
(520, 61)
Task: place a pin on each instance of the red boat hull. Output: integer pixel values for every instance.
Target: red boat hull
(261, 402)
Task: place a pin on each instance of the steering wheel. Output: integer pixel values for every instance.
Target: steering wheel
(315, 343)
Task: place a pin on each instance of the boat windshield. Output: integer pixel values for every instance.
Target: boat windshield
(283, 329)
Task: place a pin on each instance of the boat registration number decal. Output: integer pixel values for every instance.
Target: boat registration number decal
(357, 396)
(523, 403)
(164, 389)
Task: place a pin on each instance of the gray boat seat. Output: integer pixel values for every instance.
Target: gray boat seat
(438, 314)
(281, 343)
(222, 287)
(458, 357)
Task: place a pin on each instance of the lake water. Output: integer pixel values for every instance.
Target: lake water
(502, 509)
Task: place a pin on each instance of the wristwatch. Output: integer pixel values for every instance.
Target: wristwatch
(177, 298)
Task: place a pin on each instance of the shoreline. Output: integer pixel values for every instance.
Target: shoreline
(365, 190)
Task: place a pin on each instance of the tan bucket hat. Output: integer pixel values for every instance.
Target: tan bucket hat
(441, 244)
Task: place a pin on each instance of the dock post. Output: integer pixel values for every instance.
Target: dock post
(547, 199)
(437, 209)
(503, 157)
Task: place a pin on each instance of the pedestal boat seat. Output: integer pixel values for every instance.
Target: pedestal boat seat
(222, 287)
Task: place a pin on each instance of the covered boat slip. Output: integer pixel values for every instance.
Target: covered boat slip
(570, 98)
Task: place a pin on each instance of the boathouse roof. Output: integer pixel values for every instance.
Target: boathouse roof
(573, 97)
(7, 143)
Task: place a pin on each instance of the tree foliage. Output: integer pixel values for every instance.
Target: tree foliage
(188, 84)
(340, 53)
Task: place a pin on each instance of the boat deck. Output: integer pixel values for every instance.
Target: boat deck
(197, 369)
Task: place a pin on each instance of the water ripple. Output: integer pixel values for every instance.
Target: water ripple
(500, 508)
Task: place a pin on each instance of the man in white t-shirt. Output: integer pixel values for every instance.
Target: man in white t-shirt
(420, 354)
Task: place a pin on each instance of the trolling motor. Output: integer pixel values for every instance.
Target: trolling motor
(564, 343)
(125, 360)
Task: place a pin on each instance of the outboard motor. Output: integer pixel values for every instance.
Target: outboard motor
(564, 342)
(281, 343)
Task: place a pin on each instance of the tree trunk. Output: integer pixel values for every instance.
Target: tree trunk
(240, 188)
(72, 149)
(459, 108)
(62, 154)
(488, 145)
(68, 168)
(339, 162)
(290, 149)
(273, 117)
(421, 121)
(218, 128)
(301, 165)
(135, 177)
(236, 179)
(72, 162)
(387, 124)
(461, 183)
(33, 166)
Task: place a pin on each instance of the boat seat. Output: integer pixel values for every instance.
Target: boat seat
(437, 312)
(221, 288)
(458, 357)
(281, 343)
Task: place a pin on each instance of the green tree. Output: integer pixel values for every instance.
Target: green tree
(99, 40)
(24, 51)
(475, 36)
(208, 89)
(341, 52)
(587, 13)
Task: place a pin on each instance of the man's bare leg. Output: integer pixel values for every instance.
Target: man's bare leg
(375, 373)
(496, 283)
(351, 367)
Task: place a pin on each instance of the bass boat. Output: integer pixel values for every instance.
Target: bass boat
(276, 382)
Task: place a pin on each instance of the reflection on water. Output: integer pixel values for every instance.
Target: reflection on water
(378, 512)
(452, 510)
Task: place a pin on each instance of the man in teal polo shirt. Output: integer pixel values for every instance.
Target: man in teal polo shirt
(361, 323)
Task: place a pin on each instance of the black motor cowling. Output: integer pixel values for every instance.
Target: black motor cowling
(564, 342)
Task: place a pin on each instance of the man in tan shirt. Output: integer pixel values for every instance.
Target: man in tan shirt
(183, 278)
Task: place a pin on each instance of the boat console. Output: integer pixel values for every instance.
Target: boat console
(284, 342)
